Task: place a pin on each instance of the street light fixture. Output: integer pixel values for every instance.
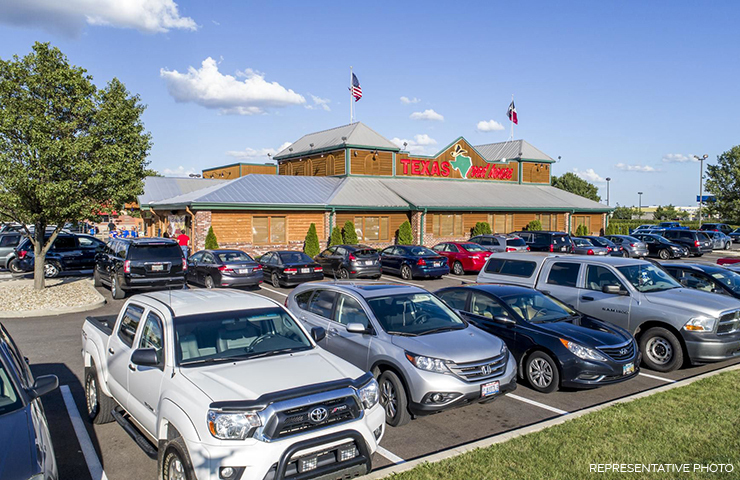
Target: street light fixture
(639, 205)
(701, 181)
(608, 179)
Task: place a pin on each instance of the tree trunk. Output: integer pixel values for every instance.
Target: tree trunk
(39, 281)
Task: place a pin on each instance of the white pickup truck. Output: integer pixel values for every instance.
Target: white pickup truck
(228, 385)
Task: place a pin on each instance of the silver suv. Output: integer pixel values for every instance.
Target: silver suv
(425, 356)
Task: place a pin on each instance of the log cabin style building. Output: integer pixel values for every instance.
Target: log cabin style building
(354, 173)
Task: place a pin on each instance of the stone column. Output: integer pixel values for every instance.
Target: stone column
(416, 227)
(202, 222)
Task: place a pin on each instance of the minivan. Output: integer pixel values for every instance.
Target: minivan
(547, 241)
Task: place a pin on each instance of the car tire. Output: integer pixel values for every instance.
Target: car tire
(51, 270)
(664, 254)
(115, 288)
(625, 254)
(14, 266)
(97, 281)
(406, 272)
(208, 282)
(99, 405)
(661, 350)
(174, 462)
(458, 269)
(728, 245)
(542, 372)
(275, 280)
(394, 400)
(343, 273)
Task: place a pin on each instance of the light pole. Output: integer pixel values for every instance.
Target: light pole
(701, 181)
(639, 206)
(607, 190)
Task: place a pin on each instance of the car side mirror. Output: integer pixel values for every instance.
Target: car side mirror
(145, 357)
(318, 334)
(356, 328)
(43, 385)
(614, 290)
(504, 320)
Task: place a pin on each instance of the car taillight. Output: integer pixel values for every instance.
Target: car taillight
(527, 247)
(352, 258)
(184, 265)
(608, 249)
(633, 245)
(510, 249)
(590, 252)
(552, 247)
(290, 271)
(225, 268)
(697, 243)
(127, 266)
(22, 254)
(421, 261)
(318, 269)
(258, 267)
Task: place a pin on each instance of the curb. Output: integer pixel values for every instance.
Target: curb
(503, 437)
(99, 302)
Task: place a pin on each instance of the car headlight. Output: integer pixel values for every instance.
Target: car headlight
(583, 352)
(504, 349)
(369, 394)
(233, 426)
(700, 324)
(427, 363)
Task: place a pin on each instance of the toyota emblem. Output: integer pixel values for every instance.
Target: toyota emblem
(485, 370)
(318, 415)
(623, 351)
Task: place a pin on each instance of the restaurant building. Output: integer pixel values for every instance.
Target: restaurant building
(354, 173)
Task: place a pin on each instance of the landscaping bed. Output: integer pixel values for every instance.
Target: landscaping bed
(19, 299)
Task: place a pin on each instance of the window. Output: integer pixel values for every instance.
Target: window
(494, 265)
(501, 222)
(579, 220)
(129, 324)
(447, 225)
(87, 242)
(9, 398)
(564, 274)
(64, 243)
(322, 303)
(451, 248)
(9, 240)
(330, 165)
(234, 256)
(198, 257)
(120, 249)
(598, 277)
(349, 311)
(518, 268)
(151, 335)
(153, 252)
(549, 221)
(266, 230)
(455, 298)
(372, 228)
(302, 299)
(208, 259)
(485, 306)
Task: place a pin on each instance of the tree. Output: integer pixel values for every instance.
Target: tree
(534, 225)
(570, 182)
(668, 212)
(211, 241)
(624, 213)
(336, 236)
(405, 234)
(723, 181)
(482, 228)
(612, 229)
(150, 172)
(349, 234)
(582, 231)
(311, 244)
(67, 148)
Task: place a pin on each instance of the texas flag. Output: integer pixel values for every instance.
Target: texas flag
(512, 113)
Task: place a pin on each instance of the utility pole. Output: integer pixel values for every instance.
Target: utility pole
(639, 206)
(701, 182)
(607, 190)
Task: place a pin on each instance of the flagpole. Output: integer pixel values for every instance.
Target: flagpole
(512, 120)
(351, 103)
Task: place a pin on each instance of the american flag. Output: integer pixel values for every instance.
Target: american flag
(356, 89)
(511, 113)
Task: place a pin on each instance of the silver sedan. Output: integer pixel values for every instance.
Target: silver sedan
(584, 246)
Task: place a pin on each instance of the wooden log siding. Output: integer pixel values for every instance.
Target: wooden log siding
(594, 222)
(235, 227)
(533, 172)
(365, 162)
(319, 165)
(228, 173)
(395, 219)
(515, 222)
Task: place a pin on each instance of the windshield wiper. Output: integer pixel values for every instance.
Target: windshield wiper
(441, 329)
(203, 361)
(403, 334)
(277, 352)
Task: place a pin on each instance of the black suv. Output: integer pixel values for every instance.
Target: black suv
(698, 243)
(547, 241)
(70, 252)
(140, 264)
(350, 261)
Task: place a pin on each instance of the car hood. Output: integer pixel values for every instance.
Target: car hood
(693, 301)
(16, 447)
(248, 379)
(468, 345)
(587, 331)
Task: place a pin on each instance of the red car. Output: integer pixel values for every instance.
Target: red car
(463, 256)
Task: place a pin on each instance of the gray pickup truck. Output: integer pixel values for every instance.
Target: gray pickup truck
(670, 322)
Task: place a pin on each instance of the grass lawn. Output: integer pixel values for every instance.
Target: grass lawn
(696, 424)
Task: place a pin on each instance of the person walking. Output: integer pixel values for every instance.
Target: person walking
(184, 241)
(111, 226)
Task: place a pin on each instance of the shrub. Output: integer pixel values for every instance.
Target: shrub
(336, 236)
(349, 234)
(534, 225)
(211, 241)
(311, 244)
(405, 234)
(482, 228)
(582, 231)
(612, 229)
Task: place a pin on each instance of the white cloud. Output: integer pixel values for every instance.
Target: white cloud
(418, 145)
(210, 88)
(69, 17)
(180, 171)
(636, 168)
(409, 101)
(252, 154)
(489, 126)
(589, 175)
(427, 115)
(424, 139)
(678, 158)
(216, 23)
(319, 102)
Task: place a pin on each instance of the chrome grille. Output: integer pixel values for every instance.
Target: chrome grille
(729, 322)
(297, 420)
(482, 369)
(621, 352)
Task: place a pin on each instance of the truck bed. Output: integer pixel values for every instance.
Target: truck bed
(104, 323)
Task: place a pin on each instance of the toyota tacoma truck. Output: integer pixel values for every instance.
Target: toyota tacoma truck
(228, 385)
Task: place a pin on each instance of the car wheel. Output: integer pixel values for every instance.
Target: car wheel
(14, 266)
(51, 270)
(115, 288)
(393, 399)
(728, 245)
(542, 373)
(174, 462)
(625, 254)
(275, 280)
(99, 405)
(96, 278)
(208, 282)
(343, 273)
(661, 350)
(458, 269)
(406, 272)
(664, 254)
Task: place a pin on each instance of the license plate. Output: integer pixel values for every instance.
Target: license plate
(488, 389)
(628, 369)
(243, 270)
(563, 249)
(437, 264)
(157, 268)
(305, 270)
(368, 262)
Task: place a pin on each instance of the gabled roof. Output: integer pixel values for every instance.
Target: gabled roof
(514, 150)
(355, 134)
(160, 188)
(366, 192)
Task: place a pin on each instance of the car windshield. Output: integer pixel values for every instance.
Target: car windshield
(535, 307)
(237, 335)
(414, 314)
(230, 257)
(295, 257)
(421, 251)
(648, 278)
(473, 247)
(729, 279)
(9, 398)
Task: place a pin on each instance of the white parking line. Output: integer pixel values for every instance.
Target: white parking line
(273, 291)
(88, 451)
(401, 281)
(390, 456)
(537, 404)
(458, 279)
(654, 377)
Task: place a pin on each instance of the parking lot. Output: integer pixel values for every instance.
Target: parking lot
(52, 345)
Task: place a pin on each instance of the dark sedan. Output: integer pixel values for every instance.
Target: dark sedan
(26, 451)
(613, 249)
(554, 345)
(411, 261)
(350, 261)
(289, 268)
(223, 268)
(661, 247)
(710, 278)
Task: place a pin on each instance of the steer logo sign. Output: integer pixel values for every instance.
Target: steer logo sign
(461, 162)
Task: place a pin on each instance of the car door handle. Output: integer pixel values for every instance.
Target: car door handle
(132, 367)
(111, 351)
(302, 317)
(588, 299)
(333, 332)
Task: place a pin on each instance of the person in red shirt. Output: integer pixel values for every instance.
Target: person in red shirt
(183, 240)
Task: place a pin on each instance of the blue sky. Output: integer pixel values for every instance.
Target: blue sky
(627, 90)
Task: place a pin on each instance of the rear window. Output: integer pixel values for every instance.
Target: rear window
(227, 257)
(155, 252)
(514, 268)
(516, 242)
(295, 257)
(703, 236)
(365, 253)
(560, 239)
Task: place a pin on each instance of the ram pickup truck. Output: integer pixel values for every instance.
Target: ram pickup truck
(670, 322)
(228, 385)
